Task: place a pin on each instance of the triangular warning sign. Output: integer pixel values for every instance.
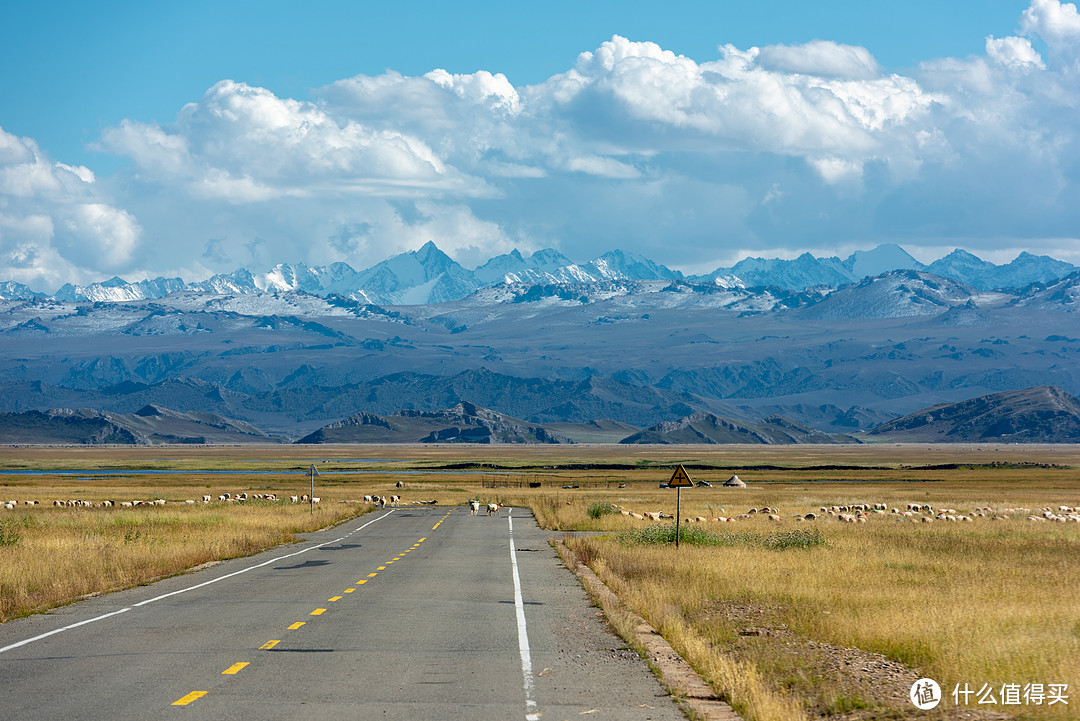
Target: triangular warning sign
(679, 479)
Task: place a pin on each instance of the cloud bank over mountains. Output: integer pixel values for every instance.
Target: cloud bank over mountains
(696, 162)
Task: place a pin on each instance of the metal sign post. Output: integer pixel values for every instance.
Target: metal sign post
(678, 515)
(679, 480)
(311, 496)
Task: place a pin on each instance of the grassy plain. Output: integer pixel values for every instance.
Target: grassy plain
(784, 631)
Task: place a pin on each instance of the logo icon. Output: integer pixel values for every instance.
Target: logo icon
(925, 694)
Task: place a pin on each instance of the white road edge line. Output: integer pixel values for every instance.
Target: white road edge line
(190, 588)
(523, 634)
(65, 628)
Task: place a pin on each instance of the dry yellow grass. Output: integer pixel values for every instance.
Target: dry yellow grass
(982, 602)
(49, 557)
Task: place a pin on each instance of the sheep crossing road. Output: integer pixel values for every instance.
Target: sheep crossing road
(401, 614)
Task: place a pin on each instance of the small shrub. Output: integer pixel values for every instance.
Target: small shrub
(799, 538)
(9, 536)
(665, 534)
(843, 704)
(601, 508)
(695, 535)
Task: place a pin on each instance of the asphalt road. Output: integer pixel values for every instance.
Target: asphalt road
(411, 613)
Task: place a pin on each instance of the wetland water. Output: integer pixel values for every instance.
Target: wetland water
(105, 473)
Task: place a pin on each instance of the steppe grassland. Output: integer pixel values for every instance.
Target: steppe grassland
(982, 602)
(51, 556)
(985, 602)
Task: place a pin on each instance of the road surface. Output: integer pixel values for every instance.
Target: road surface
(408, 613)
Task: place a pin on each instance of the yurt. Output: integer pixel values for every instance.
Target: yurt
(734, 482)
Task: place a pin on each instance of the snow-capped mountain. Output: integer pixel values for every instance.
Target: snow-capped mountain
(418, 277)
(428, 275)
(900, 294)
(1061, 294)
(239, 282)
(808, 271)
(543, 266)
(882, 259)
(337, 278)
(620, 265)
(10, 290)
(1024, 270)
(117, 289)
(803, 272)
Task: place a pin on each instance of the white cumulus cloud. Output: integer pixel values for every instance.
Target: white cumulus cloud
(822, 58)
(56, 225)
(244, 144)
(1014, 52)
(1055, 22)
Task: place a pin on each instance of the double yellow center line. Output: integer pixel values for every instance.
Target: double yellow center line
(237, 667)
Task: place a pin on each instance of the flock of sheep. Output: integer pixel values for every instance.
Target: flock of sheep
(377, 501)
(224, 498)
(854, 513)
(859, 513)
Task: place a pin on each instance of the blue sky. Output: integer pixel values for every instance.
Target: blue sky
(142, 138)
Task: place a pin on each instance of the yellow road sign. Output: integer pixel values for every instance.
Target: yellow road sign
(679, 479)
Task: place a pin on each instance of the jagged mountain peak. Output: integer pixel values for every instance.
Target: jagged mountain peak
(897, 294)
(429, 275)
(883, 258)
(11, 290)
(621, 264)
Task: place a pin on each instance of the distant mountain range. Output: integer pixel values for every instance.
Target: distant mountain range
(552, 344)
(429, 276)
(148, 425)
(1034, 415)
(464, 423)
(710, 429)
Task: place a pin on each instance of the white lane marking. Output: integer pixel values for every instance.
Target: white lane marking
(523, 634)
(259, 565)
(189, 588)
(58, 630)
